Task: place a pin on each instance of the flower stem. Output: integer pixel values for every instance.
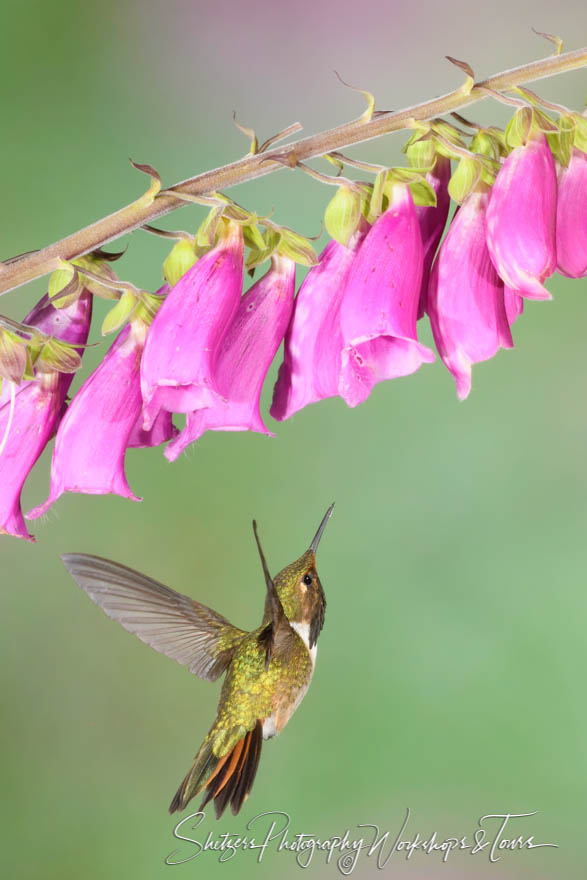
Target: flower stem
(33, 265)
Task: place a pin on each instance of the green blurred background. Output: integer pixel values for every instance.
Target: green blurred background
(451, 667)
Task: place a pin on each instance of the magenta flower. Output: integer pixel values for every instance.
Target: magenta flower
(571, 217)
(521, 218)
(30, 413)
(466, 296)
(380, 303)
(432, 220)
(100, 423)
(177, 369)
(313, 343)
(246, 353)
(514, 304)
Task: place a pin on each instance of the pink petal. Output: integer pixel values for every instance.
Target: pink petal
(571, 217)
(313, 343)
(380, 303)
(466, 296)
(247, 351)
(92, 439)
(183, 341)
(432, 220)
(521, 218)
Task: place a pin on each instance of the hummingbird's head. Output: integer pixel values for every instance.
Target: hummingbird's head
(300, 591)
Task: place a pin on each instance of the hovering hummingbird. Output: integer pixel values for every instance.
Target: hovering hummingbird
(268, 670)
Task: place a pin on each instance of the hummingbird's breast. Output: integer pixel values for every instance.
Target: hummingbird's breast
(293, 687)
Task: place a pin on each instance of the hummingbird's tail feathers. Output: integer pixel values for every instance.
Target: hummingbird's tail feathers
(171, 623)
(228, 779)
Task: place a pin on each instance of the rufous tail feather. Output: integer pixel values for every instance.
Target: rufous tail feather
(228, 780)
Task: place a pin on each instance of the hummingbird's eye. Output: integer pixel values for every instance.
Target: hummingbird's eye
(308, 580)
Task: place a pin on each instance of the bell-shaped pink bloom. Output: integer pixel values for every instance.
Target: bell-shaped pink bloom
(571, 217)
(521, 218)
(160, 432)
(432, 220)
(245, 356)
(514, 304)
(29, 418)
(313, 343)
(177, 369)
(99, 423)
(380, 303)
(466, 296)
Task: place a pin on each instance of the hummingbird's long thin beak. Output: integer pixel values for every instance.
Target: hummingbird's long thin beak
(321, 527)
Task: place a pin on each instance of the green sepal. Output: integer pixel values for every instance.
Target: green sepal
(120, 313)
(343, 214)
(29, 371)
(147, 307)
(485, 144)
(561, 141)
(59, 356)
(296, 247)
(13, 356)
(64, 286)
(206, 234)
(334, 161)
(580, 141)
(422, 192)
(566, 138)
(253, 236)
(518, 128)
(101, 268)
(180, 259)
(422, 154)
(271, 242)
(543, 122)
(464, 179)
(376, 200)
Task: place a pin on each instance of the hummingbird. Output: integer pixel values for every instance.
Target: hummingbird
(267, 671)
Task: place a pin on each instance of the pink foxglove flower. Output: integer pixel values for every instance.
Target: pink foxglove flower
(99, 425)
(30, 412)
(246, 353)
(177, 370)
(313, 343)
(432, 220)
(521, 218)
(380, 303)
(466, 296)
(571, 217)
(514, 304)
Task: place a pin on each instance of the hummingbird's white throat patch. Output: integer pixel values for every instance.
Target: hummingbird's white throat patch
(303, 630)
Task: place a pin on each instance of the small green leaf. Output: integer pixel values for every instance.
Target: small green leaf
(519, 127)
(485, 144)
(422, 154)
(297, 247)
(423, 193)
(206, 234)
(180, 259)
(13, 356)
(64, 286)
(566, 138)
(376, 201)
(147, 308)
(464, 179)
(253, 237)
(343, 214)
(580, 141)
(120, 313)
(272, 239)
(59, 356)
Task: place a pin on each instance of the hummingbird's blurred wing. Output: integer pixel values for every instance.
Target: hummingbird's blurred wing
(173, 624)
